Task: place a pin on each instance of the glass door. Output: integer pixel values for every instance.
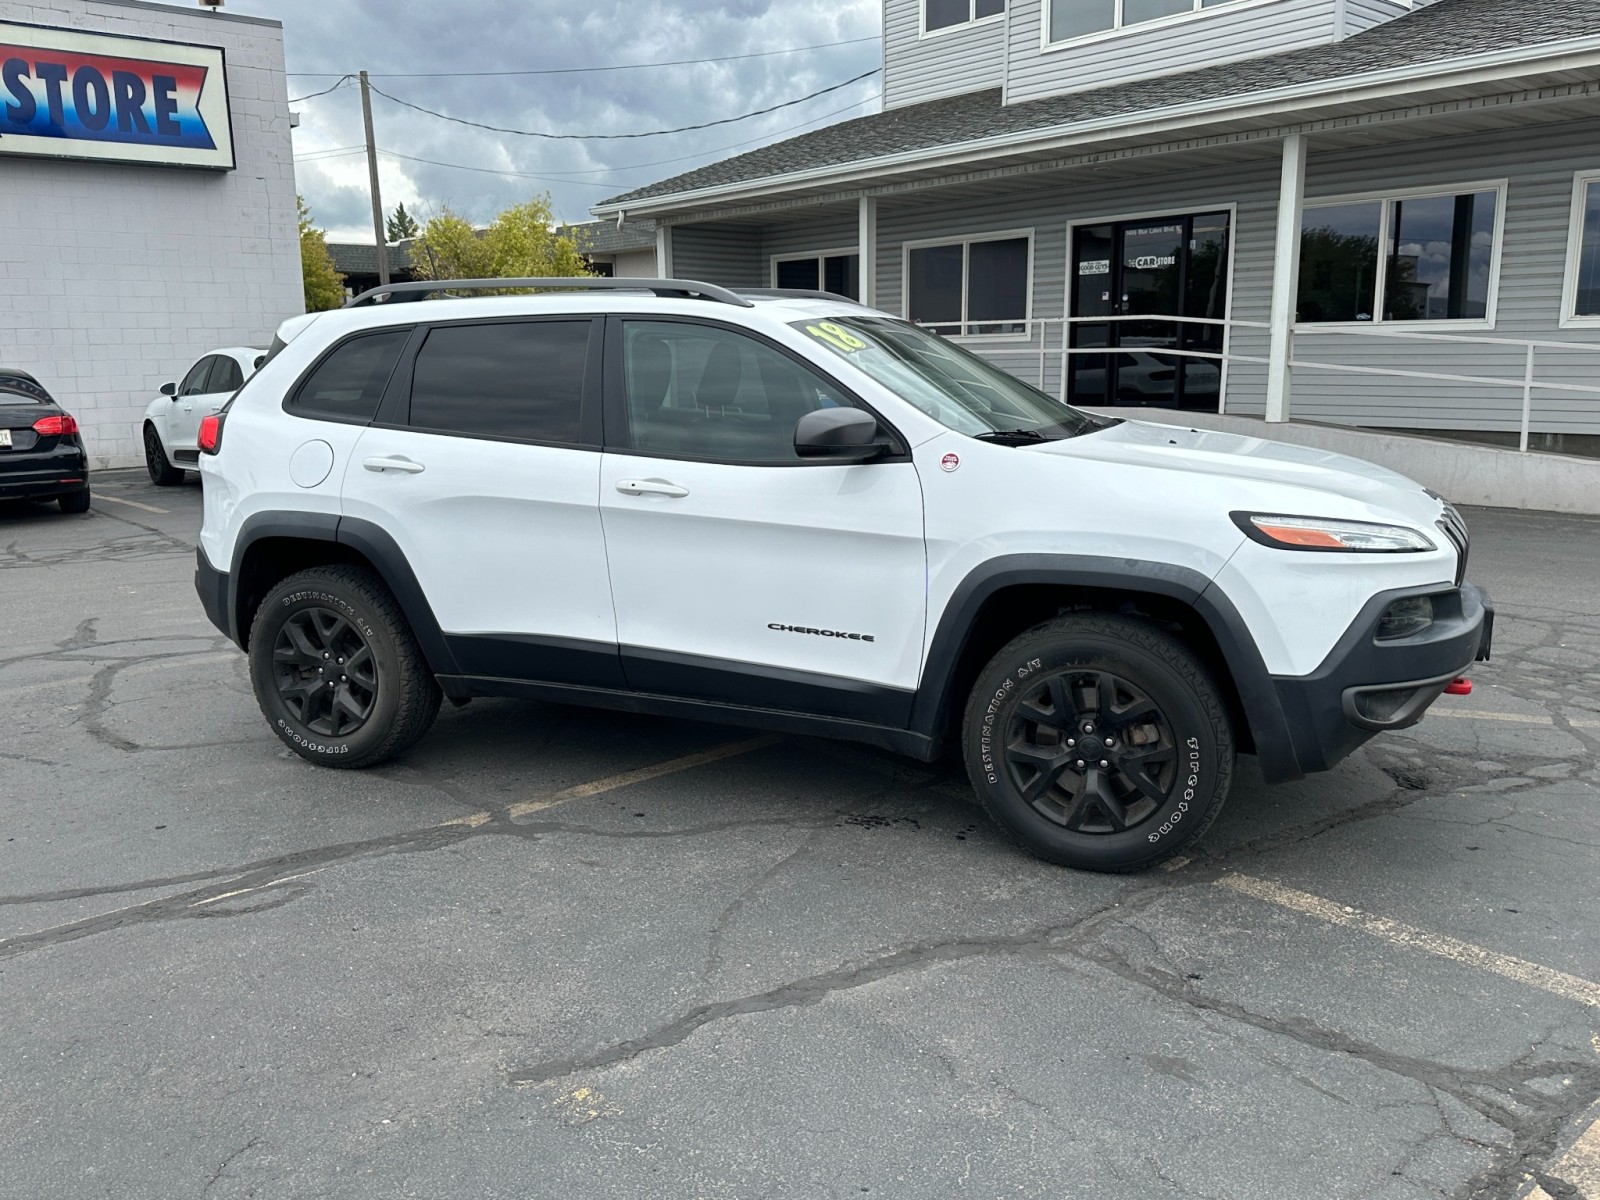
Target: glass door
(1151, 274)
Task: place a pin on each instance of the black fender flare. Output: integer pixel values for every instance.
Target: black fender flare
(932, 709)
(367, 539)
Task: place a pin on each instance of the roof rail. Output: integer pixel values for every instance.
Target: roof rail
(796, 294)
(396, 293)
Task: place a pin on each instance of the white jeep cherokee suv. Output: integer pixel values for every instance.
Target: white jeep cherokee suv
(788, 511)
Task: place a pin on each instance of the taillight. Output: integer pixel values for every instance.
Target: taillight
(210, 439)
(55, 426)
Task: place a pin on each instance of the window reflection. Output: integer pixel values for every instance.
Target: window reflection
(1588, 293)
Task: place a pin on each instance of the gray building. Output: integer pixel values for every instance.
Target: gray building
(153, 217)
(1378, 213)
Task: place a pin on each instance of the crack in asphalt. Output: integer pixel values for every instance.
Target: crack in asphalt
(1497, 1095)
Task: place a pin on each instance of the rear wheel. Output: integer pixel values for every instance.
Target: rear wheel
(337, 671)
(1099, 742)
(74, 502)
(162, 472)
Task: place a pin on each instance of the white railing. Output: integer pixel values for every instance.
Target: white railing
(1045, 343)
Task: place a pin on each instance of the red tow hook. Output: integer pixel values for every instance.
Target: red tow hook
(1459, 686)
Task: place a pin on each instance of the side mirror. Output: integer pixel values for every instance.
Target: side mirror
(841, 434)
(169, 389)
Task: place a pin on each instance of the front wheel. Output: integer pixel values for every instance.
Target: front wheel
(1099, 742)
(336, 670)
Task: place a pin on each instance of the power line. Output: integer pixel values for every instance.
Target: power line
(585, 137)
(344, 80)
(682, 62)
(563, 176)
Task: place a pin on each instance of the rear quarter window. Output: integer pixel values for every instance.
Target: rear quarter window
(349, 381)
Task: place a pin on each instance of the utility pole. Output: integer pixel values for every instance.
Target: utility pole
(372, 177)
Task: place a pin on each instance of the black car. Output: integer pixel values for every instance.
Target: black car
(41, 452)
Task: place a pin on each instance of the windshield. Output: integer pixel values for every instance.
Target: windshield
(950, 384)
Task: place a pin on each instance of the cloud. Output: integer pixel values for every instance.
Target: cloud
(451, 38)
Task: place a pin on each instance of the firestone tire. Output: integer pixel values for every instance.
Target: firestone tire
(336, 670)
(74, 502)
(1099, 742)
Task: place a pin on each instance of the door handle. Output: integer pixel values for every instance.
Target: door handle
(651, 487)
(403, 465)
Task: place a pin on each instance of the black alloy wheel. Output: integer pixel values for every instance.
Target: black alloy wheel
(1091, 752)
(325, 672)
(162, 472)
(1099, 741)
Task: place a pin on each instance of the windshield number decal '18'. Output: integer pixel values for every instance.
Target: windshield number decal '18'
(836, 336)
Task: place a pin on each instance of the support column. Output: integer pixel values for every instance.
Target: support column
(1286, 277)
(663, 250)
(867, 247)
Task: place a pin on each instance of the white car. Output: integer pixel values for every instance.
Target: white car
(172, 421)
(785, 510)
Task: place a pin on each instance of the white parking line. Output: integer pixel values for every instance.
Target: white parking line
(1569, 987)
(1509, 718)
(149, 508)
(626, 779)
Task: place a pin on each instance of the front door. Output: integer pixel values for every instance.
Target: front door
(1154, 284)
(183, 419)
(742, 573)
(483, 468)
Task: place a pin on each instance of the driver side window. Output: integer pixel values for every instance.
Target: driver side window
(698, 391)
(194, 383)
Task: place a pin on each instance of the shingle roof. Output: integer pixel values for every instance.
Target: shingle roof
(1442, 31)
(603, 237)
(361, 258)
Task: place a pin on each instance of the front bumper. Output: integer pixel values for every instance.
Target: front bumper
(1366, 686)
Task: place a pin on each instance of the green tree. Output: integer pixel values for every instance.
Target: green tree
(523, 241)
(401, 225)
(324, 286)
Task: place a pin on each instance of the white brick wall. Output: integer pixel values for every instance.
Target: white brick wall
(115, 277)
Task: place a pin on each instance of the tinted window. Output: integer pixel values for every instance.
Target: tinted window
(350, 381)
(514, 380)
(704, 392)
(225, 375)
(195, 381)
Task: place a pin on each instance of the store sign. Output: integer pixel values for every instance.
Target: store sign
(65, 94)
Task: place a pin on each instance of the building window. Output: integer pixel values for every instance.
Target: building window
(1583, 271)
(946, 14)
(837, 271)
(1071, 19)
(1411, 258)
(979, 286)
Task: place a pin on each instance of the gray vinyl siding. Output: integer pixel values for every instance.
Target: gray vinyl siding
(719, 253)
(964, 58)
(1140, 52)
(1364, 14)
(1539, 163)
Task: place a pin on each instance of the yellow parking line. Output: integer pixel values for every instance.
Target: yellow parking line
(626, 779)
(1569, 987)
(149, 508)
(1509, 718)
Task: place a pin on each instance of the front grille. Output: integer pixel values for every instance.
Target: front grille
(1454, 527)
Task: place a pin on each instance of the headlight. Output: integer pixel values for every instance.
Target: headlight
(1325, 534)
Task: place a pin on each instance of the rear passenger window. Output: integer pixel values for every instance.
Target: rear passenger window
(512, 379)
(349, 383)
(225, 376)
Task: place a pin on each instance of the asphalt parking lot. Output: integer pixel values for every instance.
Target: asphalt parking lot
(556, 952)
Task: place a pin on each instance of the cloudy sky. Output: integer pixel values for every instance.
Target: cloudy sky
(448, 47)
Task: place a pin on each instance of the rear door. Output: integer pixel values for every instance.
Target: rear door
(741, 572)
(484, 468)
